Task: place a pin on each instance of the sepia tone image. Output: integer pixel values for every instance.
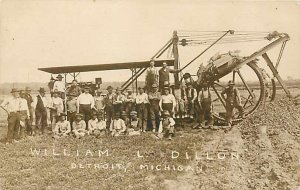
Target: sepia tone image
(161, 95)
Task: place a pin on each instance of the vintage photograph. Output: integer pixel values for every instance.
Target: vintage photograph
(157, 95)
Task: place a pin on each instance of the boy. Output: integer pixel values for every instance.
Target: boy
(62, 127)
(133, 124)
(79, 126)
(117, 126)
(57, 107)
(166, 125)
(71, 108)
(100, 128)
(92, 123)
(142, 102)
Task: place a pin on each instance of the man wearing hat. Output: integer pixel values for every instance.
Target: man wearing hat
(232, 100)
(99, 100)
(29, 100)
(129, 102)
(205, 106)
(56, 108)
(51, 84)
(142, 102)
(117, 126)
(151, 76)
(118, 101)
(164, 73)
(79, 126)
(85, 104)
(59, 85)
(154, 98)
(13, 107)
(190, 95)
(167, 101)
(166, 125)
(40, 105)
(74, 89)
(62, 127)
(108, 103)
(71, 108)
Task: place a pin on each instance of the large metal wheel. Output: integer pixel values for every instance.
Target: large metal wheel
(250, 83)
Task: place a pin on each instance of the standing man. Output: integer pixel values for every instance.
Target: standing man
(190, 95)
(71, 108)
(24, 114)
(151, 76)
(233, 100)
(164, 77)
(51, 85)
(129, 102)
(141, 102)
(40, 106)
(12, 106)
(74, 89)
(59, 86)
(205, 104)
(85, 104)
(154, 98)
(167, 101)
(108, 103)
(29, 120)
(99, 101)
(118, 101)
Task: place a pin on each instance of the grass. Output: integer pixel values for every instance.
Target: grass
(20, 169)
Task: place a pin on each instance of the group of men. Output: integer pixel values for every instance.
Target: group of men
(152, 102)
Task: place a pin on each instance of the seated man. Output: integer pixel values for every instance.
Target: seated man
(79, 126)
(117, 126)
(62, 127)
(166, 126)
(96, 125)
(133, 128)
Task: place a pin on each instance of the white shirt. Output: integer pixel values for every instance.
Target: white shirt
(59, 86)
(142, 98)
(57, 103)
(85, 99)
(118, 124)
(167, 99)
(15, 104)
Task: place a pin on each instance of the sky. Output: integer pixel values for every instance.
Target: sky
(48, 33)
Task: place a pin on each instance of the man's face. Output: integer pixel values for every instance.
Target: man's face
(129, 92)
(165, 65)
(60, 79)
(63, 118)
(27, 91)
(16, 94)
(42, 93)
(152, 63)
(155, 89)
(86, 90)
(166, 91)
(141, 91)
(118, 91)
(74, 83)
(110, 90)
(94, 116)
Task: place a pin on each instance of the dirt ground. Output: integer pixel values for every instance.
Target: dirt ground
(261, 152)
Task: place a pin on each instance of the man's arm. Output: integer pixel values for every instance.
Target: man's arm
(77, 104)
(160, 104)
(3, 105)
(92, 101)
